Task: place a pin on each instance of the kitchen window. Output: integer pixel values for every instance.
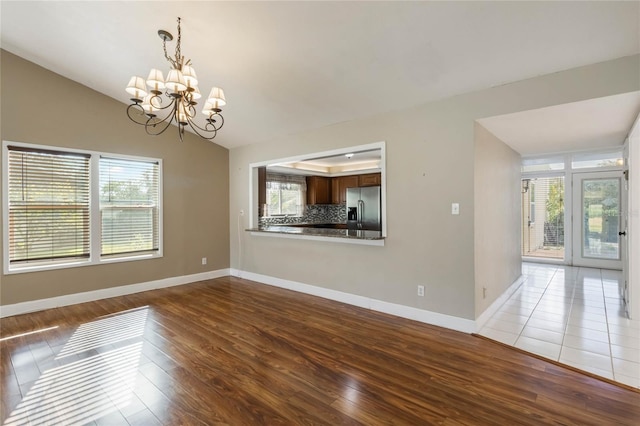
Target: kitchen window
(286, 194)
(70, 208)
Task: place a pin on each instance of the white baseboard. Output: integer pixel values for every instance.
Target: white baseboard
(493, 308)
(89, 296)
(421, 315)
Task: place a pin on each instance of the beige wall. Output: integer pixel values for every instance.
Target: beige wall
(497, 217)
(196, 179)
(430, 164)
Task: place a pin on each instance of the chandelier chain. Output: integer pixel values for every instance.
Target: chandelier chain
(178, 53)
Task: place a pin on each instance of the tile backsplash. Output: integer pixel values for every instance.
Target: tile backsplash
(314, 213)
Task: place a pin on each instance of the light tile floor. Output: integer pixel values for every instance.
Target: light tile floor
(574, 316)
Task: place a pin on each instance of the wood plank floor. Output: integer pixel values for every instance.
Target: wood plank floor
(231, 351)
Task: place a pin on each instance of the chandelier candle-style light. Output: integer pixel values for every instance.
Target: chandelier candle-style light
(181, 90)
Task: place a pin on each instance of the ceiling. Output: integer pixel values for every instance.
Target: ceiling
(292, 66)
(595, 123)
(352, 162)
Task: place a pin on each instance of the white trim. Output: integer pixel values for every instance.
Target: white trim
(379, 242)
(421, 315)
(548, 260)
(89, 296)
(493, 308)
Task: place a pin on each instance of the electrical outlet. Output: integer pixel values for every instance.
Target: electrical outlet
(421, 290)
(204, 260)
(455, 208)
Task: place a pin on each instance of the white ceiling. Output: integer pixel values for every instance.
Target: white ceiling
(595, 123)
(291, 66)
(333, 165)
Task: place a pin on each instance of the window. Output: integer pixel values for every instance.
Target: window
(597, 159)
(128, 206)
(285, 194)
(48, 205)
(542, 164)
(69, 208)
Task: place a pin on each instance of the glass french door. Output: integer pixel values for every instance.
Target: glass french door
(598, 217)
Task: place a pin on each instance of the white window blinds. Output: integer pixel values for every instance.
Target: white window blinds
(129, 206)
(48, 200)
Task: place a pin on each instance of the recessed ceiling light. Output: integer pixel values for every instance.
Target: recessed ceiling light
(349, 155)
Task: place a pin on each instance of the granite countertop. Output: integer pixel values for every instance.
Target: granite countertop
(320, 232)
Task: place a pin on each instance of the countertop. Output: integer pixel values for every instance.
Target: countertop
(320, 232)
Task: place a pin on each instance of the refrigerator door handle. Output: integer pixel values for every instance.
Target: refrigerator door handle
(360, 212)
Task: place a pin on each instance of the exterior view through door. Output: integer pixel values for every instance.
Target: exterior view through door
(543, 217)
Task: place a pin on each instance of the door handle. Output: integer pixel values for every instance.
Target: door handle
(622, 233)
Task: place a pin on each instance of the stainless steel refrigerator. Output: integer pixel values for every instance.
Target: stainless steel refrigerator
(363, 208)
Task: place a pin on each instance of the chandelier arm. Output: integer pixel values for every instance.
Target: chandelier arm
(162, 108)
(210, 126)
(163, 124)
(138, 108)
(211, 123)
(151, 126)
(195, 128)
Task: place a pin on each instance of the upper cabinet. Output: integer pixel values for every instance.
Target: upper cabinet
(262, 190)
(318, 190)
(371, 179)
(324, 190)
(339, 187)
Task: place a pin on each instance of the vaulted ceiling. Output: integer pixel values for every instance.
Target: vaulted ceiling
(291, 66)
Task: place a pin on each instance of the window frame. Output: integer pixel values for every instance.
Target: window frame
(95, 225)
(302, 193)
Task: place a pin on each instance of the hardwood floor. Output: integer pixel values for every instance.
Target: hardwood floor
(231, 351)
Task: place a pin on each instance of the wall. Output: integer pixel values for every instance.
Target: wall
(41, 107)
(430, 164)
(497, 229)
(633, 229)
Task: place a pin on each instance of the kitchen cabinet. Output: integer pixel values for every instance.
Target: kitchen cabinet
(371, 179)
(262, 190)
(339, 187)
(318, 190)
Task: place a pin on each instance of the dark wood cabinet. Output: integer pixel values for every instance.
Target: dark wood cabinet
(323, 190)
(339, 187)
(262, 190)
(318, 190)
(371, 179)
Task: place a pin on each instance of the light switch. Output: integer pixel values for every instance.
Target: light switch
(455, 208)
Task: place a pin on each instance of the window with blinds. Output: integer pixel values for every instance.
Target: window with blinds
(68, 208)
(286, 194)
(129, 209)
(48, 203)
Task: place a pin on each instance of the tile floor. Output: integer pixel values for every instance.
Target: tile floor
(574, 316)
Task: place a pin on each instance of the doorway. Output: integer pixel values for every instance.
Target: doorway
(598, 217)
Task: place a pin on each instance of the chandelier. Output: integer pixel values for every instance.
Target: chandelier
(173, 99)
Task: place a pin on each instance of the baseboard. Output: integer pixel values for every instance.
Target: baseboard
(493, 308)
(72, 299)
(421, 315)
